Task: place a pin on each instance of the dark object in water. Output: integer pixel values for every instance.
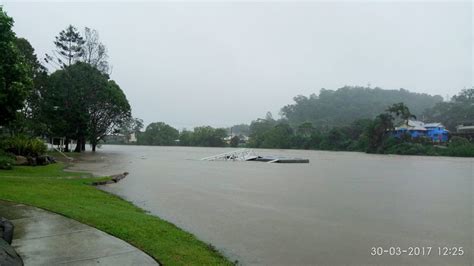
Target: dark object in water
(275, 159)
(250, 155)
(115, 179)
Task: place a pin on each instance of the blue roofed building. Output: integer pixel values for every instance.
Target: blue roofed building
(436, 132)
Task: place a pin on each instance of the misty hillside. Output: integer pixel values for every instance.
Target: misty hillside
(343, 106)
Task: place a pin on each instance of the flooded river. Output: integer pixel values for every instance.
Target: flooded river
(330, 211)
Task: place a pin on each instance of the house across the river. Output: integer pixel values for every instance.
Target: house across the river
(436, 132)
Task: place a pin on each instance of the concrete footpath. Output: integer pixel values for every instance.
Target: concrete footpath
(45, 238)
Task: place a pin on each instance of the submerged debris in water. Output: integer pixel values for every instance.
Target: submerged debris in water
(250, 155)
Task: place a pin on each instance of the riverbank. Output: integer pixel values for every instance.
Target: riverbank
(72, 195)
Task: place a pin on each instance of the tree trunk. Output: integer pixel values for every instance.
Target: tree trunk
(78, 145)
(83, 147)
(93, 146)
(66, 145)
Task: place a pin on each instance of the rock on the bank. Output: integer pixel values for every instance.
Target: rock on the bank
(21, 160)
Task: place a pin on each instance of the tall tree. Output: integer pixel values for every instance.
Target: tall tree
(94, 51)
(15, 81)
(63, 107)
(82, 103)
(108, 110)
(28, 119)
(69, 48)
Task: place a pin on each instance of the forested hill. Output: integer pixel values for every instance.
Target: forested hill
(347, 104)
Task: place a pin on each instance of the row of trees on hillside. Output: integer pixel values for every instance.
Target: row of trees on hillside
(77, 101)
(368, 135)
(345, 105)
(459, 110)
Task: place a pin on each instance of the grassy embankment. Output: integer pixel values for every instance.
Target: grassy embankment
(70, 194)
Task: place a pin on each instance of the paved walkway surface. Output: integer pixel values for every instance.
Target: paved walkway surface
(45, 238)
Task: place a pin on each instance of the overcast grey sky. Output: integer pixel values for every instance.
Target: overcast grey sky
(209, 63)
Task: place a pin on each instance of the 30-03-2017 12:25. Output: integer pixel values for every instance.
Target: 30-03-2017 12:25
(417, 251)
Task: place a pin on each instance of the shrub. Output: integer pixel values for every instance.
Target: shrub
(460, 150)
(6, 160)
(409, 149)
(458, 141)
(24, 146)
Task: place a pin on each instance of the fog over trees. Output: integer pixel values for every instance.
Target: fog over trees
(73, 97)
(344, 105)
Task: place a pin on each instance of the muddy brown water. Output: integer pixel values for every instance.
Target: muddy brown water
(331, 211)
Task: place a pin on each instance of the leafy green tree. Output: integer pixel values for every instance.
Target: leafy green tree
(302, 138)
(280, 136)
(336, 139)
(258, 128)
(27, 53)
(402, 111)
(27, 119)
(82, 103)
(377, 132)
(108, 109)
(186, 138)
(207, 136)
(159, 133)
(15, 80)
(357, 128)
(356, 134)
(62, 109)
(315, 140)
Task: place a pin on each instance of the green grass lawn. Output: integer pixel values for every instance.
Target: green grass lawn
(70, 194)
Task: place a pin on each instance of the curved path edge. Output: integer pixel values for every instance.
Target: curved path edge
(45, 238)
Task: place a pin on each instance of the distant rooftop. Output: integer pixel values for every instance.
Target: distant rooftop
(418, 125)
